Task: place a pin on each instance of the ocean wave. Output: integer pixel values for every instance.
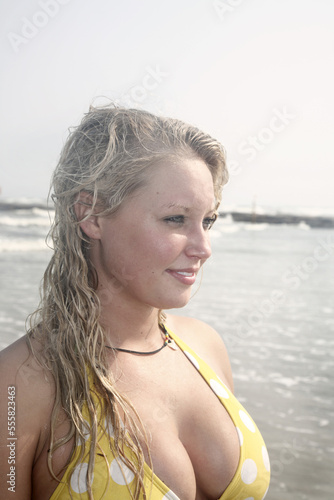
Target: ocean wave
(23, 204)
(227, 225)
(25, 221)
(42, 212)
(233, 228)
(20, 245)
(253, 226)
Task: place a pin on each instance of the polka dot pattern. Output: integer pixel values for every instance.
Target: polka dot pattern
(247, 420)
(252, 476)
(240, 435)
(249, 471)
(78, 479)
(192, 359)
(219, 389)
(170, 496)
(250, 481)
(120, 473)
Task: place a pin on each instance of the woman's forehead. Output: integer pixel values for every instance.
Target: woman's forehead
(182, 187)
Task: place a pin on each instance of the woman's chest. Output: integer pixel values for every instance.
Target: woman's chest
(192, 439)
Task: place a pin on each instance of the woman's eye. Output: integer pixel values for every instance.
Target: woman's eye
(209, 221)
(181, 219)
(176, 219)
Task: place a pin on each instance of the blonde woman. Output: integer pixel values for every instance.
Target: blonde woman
(112, 397)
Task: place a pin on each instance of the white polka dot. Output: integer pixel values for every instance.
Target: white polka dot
(247, 421)
(170, 496)
(192, 359)
(120, 473)
(219, 389)
(79, 479)
(265, 457)
(241, 438)
(220, 380)
(248, 471)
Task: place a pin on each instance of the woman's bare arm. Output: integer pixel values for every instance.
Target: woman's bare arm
(26, 399)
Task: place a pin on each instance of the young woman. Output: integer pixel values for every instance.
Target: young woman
(112, 397)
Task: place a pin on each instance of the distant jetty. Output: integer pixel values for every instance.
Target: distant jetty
(313, 221)
(255, 218)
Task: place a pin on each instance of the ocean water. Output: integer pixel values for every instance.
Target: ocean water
(269, 291)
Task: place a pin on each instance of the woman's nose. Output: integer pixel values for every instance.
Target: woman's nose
(199, 244)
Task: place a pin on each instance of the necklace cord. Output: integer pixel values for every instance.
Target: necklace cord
(167, 340)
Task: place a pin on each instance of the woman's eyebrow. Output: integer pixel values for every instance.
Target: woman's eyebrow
(176, 205)
(179, 206)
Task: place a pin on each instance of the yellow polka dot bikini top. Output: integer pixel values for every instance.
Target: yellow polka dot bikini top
(250, 482)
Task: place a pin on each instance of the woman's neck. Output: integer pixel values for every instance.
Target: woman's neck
(131, 327)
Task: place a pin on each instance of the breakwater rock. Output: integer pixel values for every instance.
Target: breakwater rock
(312, 221)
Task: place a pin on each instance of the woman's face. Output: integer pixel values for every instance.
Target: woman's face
(151, 250)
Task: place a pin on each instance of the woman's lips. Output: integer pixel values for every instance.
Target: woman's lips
(185, 276)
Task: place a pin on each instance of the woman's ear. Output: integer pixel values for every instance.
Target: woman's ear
(89, 222)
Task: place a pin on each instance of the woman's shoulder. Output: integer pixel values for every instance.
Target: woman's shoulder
(26, 402)
(205, 341)
(28, 390)
(194, 330)
(21, 368)
(20, 365)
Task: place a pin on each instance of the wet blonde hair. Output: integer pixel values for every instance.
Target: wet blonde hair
(108, 156)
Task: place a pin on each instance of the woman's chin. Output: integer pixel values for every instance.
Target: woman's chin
(177, 302)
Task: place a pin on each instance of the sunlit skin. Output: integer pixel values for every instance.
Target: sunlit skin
(149, 253)
(147, 256)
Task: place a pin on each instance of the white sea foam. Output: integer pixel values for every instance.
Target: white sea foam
(6, 319)
(227, 225)
(286, 381)
(41, 212)
(300, 430)
(327, 310)
(20, 245)
(305, 227)
(254, 226)
(214, 233)
(24, 221)
(233, 228)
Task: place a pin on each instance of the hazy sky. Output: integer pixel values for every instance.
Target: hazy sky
(257, 74)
